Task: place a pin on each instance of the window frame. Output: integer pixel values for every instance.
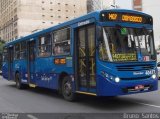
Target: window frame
(24, 51)
(53, 42)
(44, 45)
(15, 51)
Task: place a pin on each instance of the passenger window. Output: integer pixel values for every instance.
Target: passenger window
(61, 42)
(23, 50)
(17, 51)
(44, 46)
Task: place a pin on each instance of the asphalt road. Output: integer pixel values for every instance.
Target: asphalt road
(41, 100)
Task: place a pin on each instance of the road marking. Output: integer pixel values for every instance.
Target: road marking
(148, 104)
(31, 116)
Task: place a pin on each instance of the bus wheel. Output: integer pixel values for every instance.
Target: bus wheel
(67, 92)
(19, 85)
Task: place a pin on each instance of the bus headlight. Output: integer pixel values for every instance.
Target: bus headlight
(154, 76)
(108, 76)
(117, 79)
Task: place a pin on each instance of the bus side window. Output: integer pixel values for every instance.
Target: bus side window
(17, 51)
(23, 50)
(61, 42)
(44, 46)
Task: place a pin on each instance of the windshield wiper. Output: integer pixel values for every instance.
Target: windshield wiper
(107, 45)
(144, 31)
(139, 47)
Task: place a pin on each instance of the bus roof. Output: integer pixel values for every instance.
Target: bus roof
(94, 14)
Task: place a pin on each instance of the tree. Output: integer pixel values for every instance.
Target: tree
(2, 42)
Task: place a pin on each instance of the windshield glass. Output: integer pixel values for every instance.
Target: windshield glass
(126, 44)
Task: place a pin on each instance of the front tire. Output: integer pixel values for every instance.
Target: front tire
(67, 89)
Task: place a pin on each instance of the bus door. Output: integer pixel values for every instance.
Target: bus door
(10, 63)
(31, 45)
(85, 51)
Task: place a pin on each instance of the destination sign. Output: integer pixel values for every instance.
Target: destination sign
(124, 57)
(126, 17)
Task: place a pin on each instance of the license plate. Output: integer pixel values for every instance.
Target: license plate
(139, 87)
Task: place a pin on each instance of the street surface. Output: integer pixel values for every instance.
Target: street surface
(48, 101)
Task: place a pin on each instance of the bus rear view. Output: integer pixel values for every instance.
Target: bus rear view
(127, 57)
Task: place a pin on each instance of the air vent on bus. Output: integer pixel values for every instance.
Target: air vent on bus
(138, 67)
(135, 78)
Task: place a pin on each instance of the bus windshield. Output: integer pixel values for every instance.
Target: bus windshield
(127, 44)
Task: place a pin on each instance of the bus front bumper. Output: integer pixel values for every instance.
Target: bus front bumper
(106, 87)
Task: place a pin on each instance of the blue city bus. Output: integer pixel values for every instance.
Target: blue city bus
(104, 53)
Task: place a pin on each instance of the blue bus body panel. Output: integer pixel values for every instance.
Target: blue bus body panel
(21, 67)
(47, 72)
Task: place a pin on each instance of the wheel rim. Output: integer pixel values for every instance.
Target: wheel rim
(67, 89)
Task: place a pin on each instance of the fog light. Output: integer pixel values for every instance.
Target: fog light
(154, 76)
(117, 79)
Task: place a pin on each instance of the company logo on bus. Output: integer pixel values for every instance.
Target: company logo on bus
(83, 23)
(138, 73)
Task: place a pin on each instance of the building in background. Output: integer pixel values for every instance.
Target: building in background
(124, 4)
(19, 18)
(137, 5)
(93, 5)
(151, 7)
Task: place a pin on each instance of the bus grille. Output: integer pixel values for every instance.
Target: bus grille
(138, 67)
(136, 78)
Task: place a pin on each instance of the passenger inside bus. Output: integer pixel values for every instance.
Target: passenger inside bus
(43, 52)
(58, 50)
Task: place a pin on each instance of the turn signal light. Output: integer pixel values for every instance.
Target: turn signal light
(60, 61)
